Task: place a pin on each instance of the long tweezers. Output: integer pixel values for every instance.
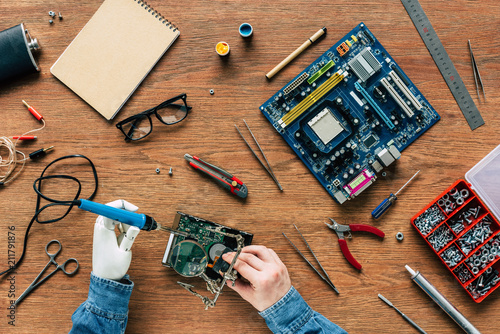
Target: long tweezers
(269, 170)
(325, 278)
(477, 76)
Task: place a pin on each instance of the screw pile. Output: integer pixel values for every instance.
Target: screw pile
(452, 256)
(429, 219)
(485, 255)
(476, 236)
(484, 283)
(462, 273)
(458, 224)
(440, 237)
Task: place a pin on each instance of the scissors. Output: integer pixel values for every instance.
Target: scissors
(52, 257)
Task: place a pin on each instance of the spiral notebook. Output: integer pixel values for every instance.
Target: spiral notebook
(113, 53)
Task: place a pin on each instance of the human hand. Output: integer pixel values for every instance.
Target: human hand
(267, 279)
(111, 254)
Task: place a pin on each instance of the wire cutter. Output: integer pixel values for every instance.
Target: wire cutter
(341, 229)
(222, 177)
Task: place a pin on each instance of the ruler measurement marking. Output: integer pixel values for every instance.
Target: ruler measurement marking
(444, 63)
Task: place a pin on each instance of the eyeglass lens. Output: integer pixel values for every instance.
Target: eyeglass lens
(138, 127)
(172, 113)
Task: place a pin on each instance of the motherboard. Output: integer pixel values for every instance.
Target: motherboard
(350, 114)
(195, 248)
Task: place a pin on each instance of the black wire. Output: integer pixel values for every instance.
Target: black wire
(37, 186)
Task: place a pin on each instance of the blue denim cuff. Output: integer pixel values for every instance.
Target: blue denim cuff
(108, 298)
(288, 314)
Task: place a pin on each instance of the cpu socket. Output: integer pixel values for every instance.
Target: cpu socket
(326, 126)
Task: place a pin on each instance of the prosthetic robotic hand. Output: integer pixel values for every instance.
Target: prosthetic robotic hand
(111, 254)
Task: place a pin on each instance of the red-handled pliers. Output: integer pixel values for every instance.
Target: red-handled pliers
(341, 229)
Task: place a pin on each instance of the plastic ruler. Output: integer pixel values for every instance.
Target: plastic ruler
(444, 63)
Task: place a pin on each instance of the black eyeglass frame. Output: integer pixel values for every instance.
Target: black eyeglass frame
(154, 110)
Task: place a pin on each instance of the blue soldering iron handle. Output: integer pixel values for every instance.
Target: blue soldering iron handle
(382, 207)
(140, 220)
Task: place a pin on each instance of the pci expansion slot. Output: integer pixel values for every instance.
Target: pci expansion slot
(374, 105)
(399, 100)
(409, 95)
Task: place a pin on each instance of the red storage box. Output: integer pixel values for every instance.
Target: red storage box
(462, 227)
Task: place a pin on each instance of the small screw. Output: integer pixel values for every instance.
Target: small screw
(212, 92)
(51, 21)
(399, 236)
(60, 16)
(170, 172)
(157, 171)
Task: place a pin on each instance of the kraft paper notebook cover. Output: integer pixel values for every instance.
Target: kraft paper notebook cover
(113, 53)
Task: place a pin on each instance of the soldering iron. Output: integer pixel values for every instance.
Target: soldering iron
(140, 220)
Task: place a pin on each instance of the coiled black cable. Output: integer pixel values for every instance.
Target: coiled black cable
(37, 186)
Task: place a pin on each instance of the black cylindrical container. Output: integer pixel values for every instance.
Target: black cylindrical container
(16, 57)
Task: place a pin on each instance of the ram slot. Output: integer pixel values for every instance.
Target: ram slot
(399, 100)
(405, 90)
(295, 83)
(374, 105)
(311, 99)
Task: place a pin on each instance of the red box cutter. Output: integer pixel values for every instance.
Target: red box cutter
(341, 229)
(222, 177)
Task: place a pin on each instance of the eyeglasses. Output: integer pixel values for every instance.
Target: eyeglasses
(170, 112)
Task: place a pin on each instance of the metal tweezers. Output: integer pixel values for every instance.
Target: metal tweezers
(477, 76)
(325, 278)
(269, 170)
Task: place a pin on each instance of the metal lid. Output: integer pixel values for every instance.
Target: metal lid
(484, 178)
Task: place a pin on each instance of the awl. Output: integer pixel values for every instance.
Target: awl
(225, 179)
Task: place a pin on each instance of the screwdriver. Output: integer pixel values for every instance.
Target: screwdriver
(386, 203)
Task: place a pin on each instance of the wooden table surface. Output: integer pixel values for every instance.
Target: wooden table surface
(127, 170)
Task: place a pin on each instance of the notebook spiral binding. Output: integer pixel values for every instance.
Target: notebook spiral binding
(156, 14)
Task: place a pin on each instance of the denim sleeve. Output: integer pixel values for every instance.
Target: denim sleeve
(292, 315)
(106, 308)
